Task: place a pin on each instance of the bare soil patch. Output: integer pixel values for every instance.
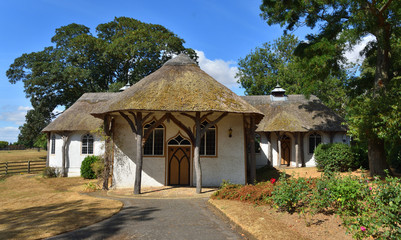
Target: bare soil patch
(33, 207)
(22, 155)
(263, 222)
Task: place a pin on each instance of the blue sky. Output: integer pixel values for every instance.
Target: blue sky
(222, 31)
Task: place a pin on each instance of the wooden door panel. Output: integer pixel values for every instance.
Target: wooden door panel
(178, 165)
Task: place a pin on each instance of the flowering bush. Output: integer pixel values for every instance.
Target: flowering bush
(367, 208)
(289, 193)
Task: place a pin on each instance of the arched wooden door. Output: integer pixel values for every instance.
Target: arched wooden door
(285, 150)
(178, 165)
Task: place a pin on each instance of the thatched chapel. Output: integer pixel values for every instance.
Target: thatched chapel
(292, 127)
(179, 126)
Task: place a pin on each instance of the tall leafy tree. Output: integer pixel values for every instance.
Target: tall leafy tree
(124, 50)
(341, 24)
(276, 63)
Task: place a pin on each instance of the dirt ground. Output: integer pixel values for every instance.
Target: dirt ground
(32, 207)
(262, 222)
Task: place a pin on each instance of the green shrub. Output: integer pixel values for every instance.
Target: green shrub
(86, 167)
(334, 157)
(291, 193)
(98, 167)
(50, 172)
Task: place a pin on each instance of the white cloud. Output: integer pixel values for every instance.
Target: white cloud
(353, 55)
(222, 71)
(9, 134)
(15, 115)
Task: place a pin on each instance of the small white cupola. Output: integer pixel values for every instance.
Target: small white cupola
(125, 87)
(278, 94)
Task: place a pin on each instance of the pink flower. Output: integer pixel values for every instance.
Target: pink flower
(363, 228)
(273, 180)
(325, 189)
(370, 188)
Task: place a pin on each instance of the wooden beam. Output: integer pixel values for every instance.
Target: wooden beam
(131, 124)
(212, 123)
(149, 130)
(203, 118)
(187, 130)
(189, 116)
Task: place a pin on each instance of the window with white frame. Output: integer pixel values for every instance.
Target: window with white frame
(53, 144)
(314, 140)
(154, 145)
(208, 141)
(87, 144)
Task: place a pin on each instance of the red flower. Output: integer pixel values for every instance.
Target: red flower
(273, 180)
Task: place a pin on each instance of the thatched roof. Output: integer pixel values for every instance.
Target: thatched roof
(77, 117)
(178, 86)
(296, 114)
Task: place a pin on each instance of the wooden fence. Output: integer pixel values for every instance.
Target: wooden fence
(33, 166)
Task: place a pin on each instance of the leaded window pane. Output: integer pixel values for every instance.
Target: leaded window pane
(158, 143)
(90, 145)
(211, 142)
(53, 149)
(154, 145)
(314, 140)
(148, 147)
(202, 146)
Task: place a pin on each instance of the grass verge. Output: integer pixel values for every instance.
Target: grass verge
(33, 207)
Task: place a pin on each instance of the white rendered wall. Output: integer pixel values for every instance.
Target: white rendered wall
(229, 164)
(75, 156)
(262, 158)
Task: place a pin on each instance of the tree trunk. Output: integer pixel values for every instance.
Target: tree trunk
(64, 154)
(376, 151)
(377, 157)
(139, 157)
(107, 157)
(198, 170)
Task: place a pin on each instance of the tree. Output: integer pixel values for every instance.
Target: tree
(35, 121)
(276, 63)
(342, 24)
(124, 50)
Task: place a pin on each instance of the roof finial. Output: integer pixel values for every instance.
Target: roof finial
(125, 87)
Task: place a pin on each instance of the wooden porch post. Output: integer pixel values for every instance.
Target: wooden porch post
(270, 148)
(48, 149)
(64, 153)
(331, 137)
(279, 150)
(302, 149)
(296, 149)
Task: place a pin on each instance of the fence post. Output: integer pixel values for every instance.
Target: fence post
(6, 167)
(29, 166)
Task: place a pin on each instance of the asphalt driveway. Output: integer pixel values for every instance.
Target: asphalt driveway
(189, 218)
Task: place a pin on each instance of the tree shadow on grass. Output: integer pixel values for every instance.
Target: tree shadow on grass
(67, 216)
